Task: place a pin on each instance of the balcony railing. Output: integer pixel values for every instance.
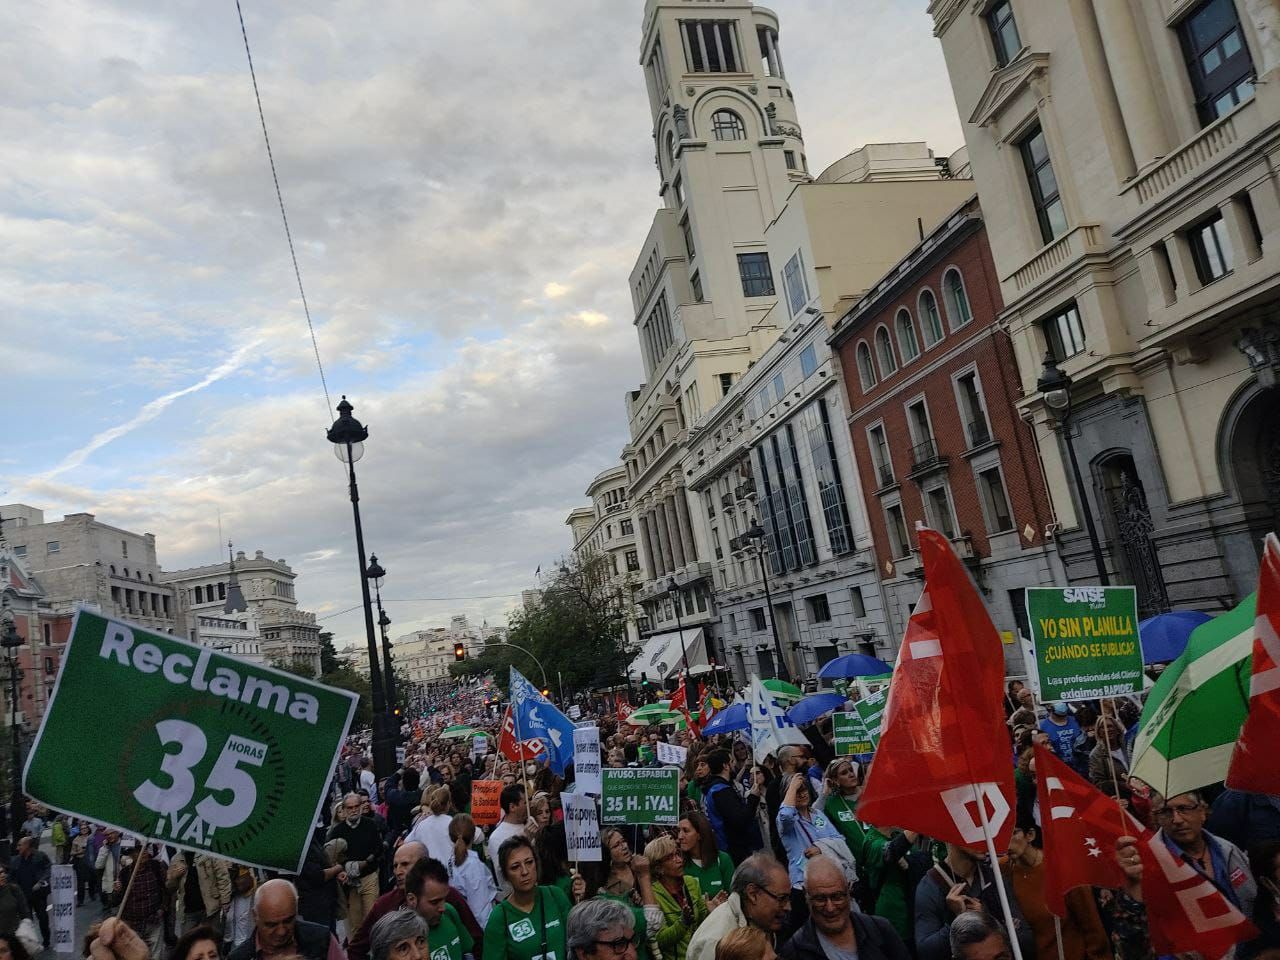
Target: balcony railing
(726, 500)
(979, 433)
(744, 490)
(925, 454)
(885, 474)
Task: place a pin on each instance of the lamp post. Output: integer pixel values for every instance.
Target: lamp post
(1055, 386)
(375, 573)
(755, 533)
(347, 436)
(11, 641)
(673, 590)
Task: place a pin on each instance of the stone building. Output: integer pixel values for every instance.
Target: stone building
(44, 630)
(1126, 154)
(933, 393)
(606, 530)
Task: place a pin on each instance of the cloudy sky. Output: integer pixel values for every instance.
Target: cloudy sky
(467, 184)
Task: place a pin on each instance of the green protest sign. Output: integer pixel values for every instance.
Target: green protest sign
(851, 735)
(206, 751)
(640, 796)
(1086, 641)
(871, 710)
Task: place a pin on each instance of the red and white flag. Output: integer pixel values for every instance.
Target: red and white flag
(944, 747)
(1253, 762)
(624, 710)
(680, 701)
(531, 749)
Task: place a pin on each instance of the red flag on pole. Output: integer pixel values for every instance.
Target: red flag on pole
(945, 748)
(1253, 762)
(530, 749)
(624, 711)
(680, 701)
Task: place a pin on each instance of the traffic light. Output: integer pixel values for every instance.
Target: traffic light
(459, 651)
(546, 693)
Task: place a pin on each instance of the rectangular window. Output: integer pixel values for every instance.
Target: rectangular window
(1065, 333)
(1210, 249)
(975, 417)
(789, 158)
(938, 507)
(899, 542)
(994, 501)
(819, 609)
(711, 46)
(859, 605)
(1044, 185)
(779, 388)
(693, 402)
(757, 618)
(633, 561)
(773, 515)
(715, 540)
(880, 456)
(695, 282)
(124, 549)
(1218, 60)
(757, 279)
(1004, 31)
(20, 551)
(688, 238)
(808, 361)
(794, 283)
(53, 546)
(677, 190)
(709, 503)
(726, 383)
(626, 528)
(822, 450)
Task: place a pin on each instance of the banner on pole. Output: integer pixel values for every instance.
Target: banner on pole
(641, 796)
(581, 827)
(62, 882)
(486, 809)
(208, 752)
(770, 728)
(1086, 641)
(672, 754)
(871, 710)
(586, 759)
(851, 736)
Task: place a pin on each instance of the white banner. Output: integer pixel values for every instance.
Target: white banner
(586, 759)
(669, 753)
(479, 747)
(581, 827)
(62, 880)
(770, 728)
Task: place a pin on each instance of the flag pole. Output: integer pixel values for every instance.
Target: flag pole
(1057, 933)
(524, 772)
(1010, 929)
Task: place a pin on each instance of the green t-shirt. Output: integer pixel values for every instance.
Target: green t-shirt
(449, 940)
(712, 878)
(840, 813)
(512, 934)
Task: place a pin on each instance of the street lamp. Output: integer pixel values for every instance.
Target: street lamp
(375, 573)
(1055, 387)
(11, 641)
(347, 436)
(673, 589)
(755, 533)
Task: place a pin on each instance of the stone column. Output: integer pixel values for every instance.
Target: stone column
(655, 547)
(646, 549)
(664, 539)
(1131, 78)
(1265, 16)
(686, 526)
(673, 529)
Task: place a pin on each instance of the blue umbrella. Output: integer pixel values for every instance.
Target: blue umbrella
(731, 718)
(854, 665)
(814, 706)
(1165, 635)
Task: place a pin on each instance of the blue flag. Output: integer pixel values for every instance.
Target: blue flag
(536, 717)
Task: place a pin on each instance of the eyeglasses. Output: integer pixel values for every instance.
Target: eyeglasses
(825, 899)
(619, 946)
(1181, 809)
(779, 898)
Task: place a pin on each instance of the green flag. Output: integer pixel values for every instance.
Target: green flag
(181, 744)
(1194, 712)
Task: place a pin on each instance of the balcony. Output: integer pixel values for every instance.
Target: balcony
(908, 566)
(1084, 239)
(979, 433)
(744, 491)
(884, 474)
(726, 500)
(1190, 159)
(925, 458)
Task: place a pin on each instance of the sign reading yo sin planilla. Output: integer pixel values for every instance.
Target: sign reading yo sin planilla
(207, 752)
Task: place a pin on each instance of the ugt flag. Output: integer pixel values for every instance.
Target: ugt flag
(536, 717)
(944, 746)
(1253, 763)
(770, 728)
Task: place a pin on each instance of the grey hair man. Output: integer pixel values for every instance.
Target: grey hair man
(760, 897)
(834, 928)
(278, 932)
(601, 928)
(976, 935)
(400, 935)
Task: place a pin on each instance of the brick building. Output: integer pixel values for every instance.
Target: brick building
(933, 387)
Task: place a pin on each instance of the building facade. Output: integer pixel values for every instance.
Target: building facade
(1126, 156)
(933, 393)
(605, 530)
(44, 631)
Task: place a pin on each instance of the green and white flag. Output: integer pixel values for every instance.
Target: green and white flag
(178, 743)
(1194, 712)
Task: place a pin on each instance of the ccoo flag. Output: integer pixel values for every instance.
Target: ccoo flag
(537, 718)
(1253, 763)
(944, 747)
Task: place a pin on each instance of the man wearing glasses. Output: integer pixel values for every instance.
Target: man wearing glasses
(1182, 820)
(834, 931)
(601, 929)
(760, 897)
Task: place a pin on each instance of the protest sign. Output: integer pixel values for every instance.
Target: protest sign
(1086, 641)
(479, 747)
(871, 710)
(575, 712)
(669, 753)
(586, 759)
(62, 887)
(581, 827)
(645, 753)
(485, 808)
(208, 752)
(641, 796)
(851, 736)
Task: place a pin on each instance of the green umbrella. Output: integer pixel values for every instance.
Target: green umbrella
(782, 690)
(460, 731)
(653, 713)
(1194, 712)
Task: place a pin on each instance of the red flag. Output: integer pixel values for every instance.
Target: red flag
(680, 701)
(624, 710)
(945, 747)
(1253, 763)
(530, 749)
(1185, 911)
(1080, 827)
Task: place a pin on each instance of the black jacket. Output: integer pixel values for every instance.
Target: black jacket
(311, 939)
(876, 938)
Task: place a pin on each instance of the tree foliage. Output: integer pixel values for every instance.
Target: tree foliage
(346, 678)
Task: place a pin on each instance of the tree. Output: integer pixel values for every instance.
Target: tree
(345, 678)
(328, 654)
(298, 666)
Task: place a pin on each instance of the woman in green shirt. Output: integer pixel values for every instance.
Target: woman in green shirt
(680, 897)
(839, 801)
(531, 921)
(703, 860)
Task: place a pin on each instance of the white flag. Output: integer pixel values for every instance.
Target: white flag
(770, 728)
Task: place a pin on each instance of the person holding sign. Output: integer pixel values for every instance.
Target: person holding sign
(531, 923)
(800, 827)
(703, 861)
(680, 897)
(426, 892)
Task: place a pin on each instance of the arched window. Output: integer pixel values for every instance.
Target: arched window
(884, 352)
(113, 569)
(126, 573)
(727, 125)
(671, 146)
(957, 300)
(866, 372)
(907, 342)
(930, 318)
